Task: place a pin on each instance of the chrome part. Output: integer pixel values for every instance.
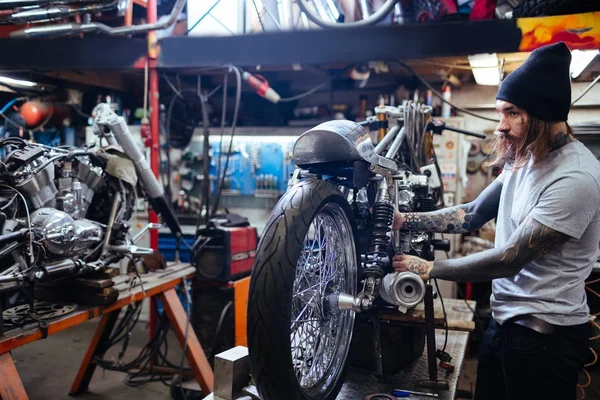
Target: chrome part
(61, 234)
(387, 139)
(338, 140)
(70, 29)
(145, 229)
(131, 249)
(404, 290)
(106, 117)
(111, 221)
(87, 180)
(345, 301)
(37, 185)
(327, 265)
(295, 179)
(393, 150)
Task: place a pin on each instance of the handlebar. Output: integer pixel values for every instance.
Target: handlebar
(441, 126)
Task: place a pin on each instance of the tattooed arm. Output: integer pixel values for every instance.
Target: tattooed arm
(530, 241)
(460, 219)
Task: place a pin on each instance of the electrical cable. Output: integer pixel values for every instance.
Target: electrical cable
(219, 327)
(372, 19)
(11, 103)
(439, 95)
(586, 90)
(28, 219)
(79, 112)
(223, 115)
(238, 96)
(316, 88)
(307, 93)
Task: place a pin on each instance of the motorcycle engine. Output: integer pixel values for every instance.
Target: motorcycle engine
(58, 190)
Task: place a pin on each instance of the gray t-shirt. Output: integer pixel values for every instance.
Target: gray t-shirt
(563, 193)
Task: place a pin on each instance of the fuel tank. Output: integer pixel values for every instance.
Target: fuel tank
(332, 141)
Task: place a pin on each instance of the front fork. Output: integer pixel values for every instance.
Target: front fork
(404, 290)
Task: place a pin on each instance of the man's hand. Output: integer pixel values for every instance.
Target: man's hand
(414, 264)
(398, 220)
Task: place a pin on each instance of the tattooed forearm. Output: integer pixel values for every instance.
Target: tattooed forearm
(418, 266)
(459, 219)
(529, 242)
(449, 220)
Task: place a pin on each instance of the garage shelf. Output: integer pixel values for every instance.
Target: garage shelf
(398, 42)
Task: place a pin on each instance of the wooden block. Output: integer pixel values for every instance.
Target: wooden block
(92, 283)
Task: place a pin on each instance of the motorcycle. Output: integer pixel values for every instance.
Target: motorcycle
(325, 254)
(66, 211)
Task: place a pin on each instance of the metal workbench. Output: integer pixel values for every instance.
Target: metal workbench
(360, 383)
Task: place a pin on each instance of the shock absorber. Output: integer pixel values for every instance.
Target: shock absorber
(382, 220)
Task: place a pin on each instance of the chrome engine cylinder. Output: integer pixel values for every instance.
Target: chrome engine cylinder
(39, 186)
(88, 179)
(402, 289)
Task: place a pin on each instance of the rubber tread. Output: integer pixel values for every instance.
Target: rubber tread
(271, 284)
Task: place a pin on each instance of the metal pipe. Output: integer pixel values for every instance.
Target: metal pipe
(153, 93)
(387, 139)
(396, 144)
(111, 221)
(56, 12)
(12, 4)
(67, 29)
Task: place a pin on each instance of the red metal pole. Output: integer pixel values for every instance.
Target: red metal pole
(154, 108)
(152, 15)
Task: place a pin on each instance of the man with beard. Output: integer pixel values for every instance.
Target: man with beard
(546, 204)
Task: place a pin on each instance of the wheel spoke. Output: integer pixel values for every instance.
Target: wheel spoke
(316, 342)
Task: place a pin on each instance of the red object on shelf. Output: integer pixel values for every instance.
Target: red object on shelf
(483, 9)
(262, 87)
(35, 112)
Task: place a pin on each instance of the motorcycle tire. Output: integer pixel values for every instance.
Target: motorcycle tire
(274, 278)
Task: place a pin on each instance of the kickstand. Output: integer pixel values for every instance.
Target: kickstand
(432, 382)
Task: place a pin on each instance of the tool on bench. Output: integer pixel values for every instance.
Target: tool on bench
(407, 393)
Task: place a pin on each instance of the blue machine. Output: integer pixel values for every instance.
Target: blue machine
(257, 165)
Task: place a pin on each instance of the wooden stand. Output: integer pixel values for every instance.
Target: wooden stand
(160, 284)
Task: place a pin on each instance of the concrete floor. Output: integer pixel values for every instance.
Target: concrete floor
(48, 367)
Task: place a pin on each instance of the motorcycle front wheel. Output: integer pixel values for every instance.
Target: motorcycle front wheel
(297, 338)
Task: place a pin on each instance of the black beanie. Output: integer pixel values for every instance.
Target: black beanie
(542, 84)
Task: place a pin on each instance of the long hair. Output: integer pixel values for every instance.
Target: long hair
(534, 145)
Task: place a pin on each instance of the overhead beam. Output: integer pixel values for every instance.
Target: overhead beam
(100, 79)
(392, 42)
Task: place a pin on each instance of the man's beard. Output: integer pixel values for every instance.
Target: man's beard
(507, 148)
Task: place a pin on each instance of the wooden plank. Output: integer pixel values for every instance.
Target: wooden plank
(97, 347)
(11, 387)
(19, 337)
(417, 317)
(195, 355)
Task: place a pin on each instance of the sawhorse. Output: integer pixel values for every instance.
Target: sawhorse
(160, 283)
